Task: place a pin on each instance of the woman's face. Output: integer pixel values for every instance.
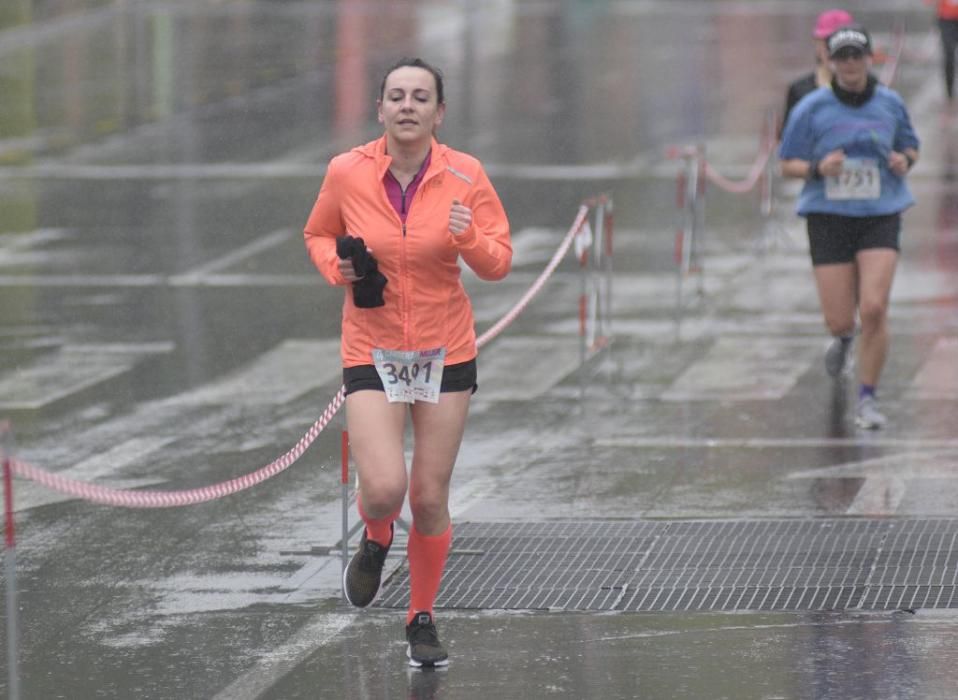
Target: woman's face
(409, 108)
(851, 69)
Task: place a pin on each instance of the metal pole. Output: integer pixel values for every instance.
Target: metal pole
(681, 232)
(607, 266)
(598, 261)
(768, 142)
(344, 488)
(10, 563)
(583, 299)
(582, 353)
(698, 219)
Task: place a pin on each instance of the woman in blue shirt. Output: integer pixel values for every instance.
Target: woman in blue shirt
(853, 145)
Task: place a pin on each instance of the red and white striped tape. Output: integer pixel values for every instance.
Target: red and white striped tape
(510, 316)
(168, 499)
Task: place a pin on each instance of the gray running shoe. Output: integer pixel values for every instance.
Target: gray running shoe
(424, 648)
(868, 416)
(363, 574)
(836, 356)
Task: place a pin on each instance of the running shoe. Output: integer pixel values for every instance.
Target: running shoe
(868, 416)
(424, 647)
(363, 574)
(836, 356)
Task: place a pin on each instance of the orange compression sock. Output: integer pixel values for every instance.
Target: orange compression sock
(379, 530)
(427, 559)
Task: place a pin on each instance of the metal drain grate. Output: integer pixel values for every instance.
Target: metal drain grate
(697, 565)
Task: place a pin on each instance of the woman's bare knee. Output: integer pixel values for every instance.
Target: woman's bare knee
(428, 502)
(873, 314)
(843, 326)
(382, 495)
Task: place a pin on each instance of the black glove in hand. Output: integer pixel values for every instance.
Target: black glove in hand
(368, 291)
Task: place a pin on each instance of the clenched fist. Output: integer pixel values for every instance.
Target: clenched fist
(460, 217)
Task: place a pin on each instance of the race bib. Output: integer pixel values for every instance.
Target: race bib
(410, 375)
(859, 179)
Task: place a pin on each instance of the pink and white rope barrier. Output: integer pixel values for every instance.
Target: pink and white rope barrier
(510, 315)
(167, 499)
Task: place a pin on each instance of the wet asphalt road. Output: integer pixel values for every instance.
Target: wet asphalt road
(161, 328)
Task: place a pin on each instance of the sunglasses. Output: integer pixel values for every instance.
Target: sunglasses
(847, 53)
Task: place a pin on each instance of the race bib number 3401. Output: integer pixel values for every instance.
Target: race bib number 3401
(410, 375)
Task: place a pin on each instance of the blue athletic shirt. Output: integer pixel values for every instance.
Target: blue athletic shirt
(820, 123)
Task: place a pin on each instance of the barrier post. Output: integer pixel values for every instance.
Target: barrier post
(584, 250)
(685, 188)
(344, 490)
(597, 341)
(768, 172)
(698, 218)
(10, 561)
(767, 234)
(605, 271)
(609, 270)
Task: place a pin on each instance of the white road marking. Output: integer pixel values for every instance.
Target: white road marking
(221, 280)
(887, 478)
(82, 280)
(273, 665)
(938, 377)
(258, 245)
(679, 441)
(638, 165)
(744, 369)
(72, 369)
(524, 367)
(277, 376)
(12, 243)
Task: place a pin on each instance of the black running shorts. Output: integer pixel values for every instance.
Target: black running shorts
(458, 377)
(833, 238)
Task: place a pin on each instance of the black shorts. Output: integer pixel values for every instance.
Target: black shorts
(458, 377)
(833, 238)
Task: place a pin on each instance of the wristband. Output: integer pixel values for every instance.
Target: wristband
(813, 173)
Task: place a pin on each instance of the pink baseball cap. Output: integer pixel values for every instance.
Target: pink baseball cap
(829, 21)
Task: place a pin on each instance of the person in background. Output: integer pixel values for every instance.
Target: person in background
(826, 23)
(392, 220)
(947, 11)
(853, 145)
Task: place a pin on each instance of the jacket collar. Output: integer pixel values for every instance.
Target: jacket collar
(377, 151)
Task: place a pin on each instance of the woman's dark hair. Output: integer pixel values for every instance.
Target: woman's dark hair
(415, 63)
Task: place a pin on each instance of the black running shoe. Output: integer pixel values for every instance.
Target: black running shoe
(364, 573)
(424, 647)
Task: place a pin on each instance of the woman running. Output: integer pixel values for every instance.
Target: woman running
(392, 219)
(853, 145)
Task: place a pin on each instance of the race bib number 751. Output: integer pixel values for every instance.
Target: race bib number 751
(410, 375)
(859, 179)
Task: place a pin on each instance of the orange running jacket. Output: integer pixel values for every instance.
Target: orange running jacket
(426, 304)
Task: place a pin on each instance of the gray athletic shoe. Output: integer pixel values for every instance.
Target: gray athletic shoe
(836, 356)
(868, 416)
(363, 575)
